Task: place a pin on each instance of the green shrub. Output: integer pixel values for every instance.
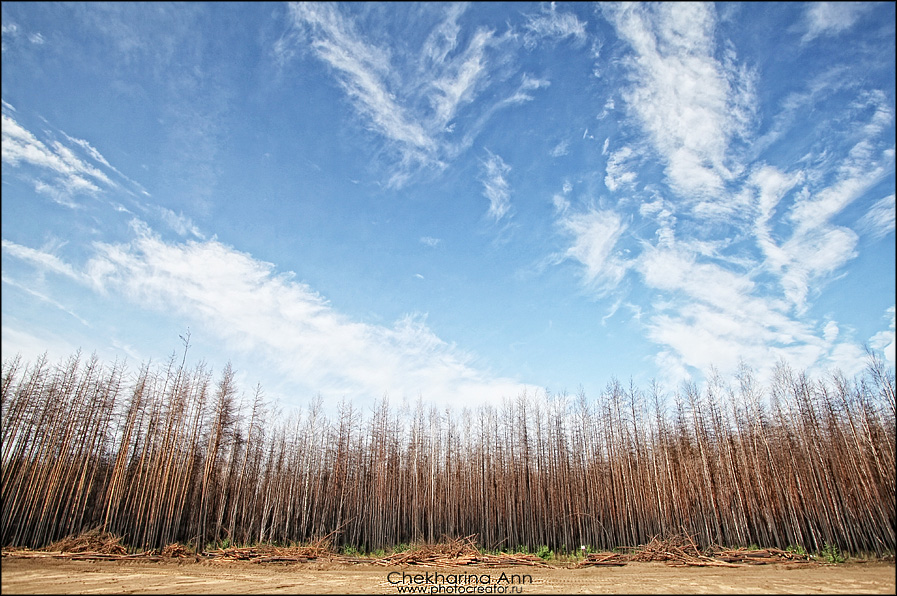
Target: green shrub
(831, 553)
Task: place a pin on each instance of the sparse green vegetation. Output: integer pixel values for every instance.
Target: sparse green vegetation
(796, 549)
(831, 554)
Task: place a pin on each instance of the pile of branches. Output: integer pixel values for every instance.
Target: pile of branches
(681, 550)
(457, 552)
(759, 557)
(275, 554)
(176, 550)
(675, 550)
(606, 558)
(93, 542)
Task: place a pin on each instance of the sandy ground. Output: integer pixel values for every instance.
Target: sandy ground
(60, 576)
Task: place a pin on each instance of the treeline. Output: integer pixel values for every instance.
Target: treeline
(170, 455)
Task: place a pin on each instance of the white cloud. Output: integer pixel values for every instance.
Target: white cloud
(57, 194)
(180, 223)
(879, 220)
(708, 309)
(561, 149)
(12, 32)
(690, 103)
(830, 18)
(44, 298)
(883, 341)
(618, 172)
(716, 317)
(830, 332)
(413, 99)
(444, 37)
(70, 174)
(495, 185)
(811, 256)
(91, 150)
(254, 310)
(457, 85)
(817, 248)
(44, 260)
(595, 234)
(366, 74)
(551, 24)
(430, 241)
(560, 203)
(362, 70)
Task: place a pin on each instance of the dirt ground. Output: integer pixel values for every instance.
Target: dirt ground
(61, 576)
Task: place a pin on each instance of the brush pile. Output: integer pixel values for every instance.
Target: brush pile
(457, 552)
(93, 542)
(606, 559)
(681, 550)
(176, 551)
(274, 554)
(759, 557)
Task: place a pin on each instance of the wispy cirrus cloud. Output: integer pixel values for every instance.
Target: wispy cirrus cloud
(884, 341)
(414, 100)
(62, 174)
(831, 18)
(552, 25)
(363, 70)
(879, 221)
(255, 310)
(712, 304)
(690, 103)
(41, 296)
(12, 34)
(42, 259)
(817, 247)
(180, 223)
(708, 315)
(594, 236)
(561, 149)
(618, 171)
(495, 185)
(443, 39)
(459, 80)
(62, 169)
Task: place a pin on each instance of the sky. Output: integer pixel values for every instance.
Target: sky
(455, 203)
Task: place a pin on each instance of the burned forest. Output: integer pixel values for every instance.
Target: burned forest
(173, 453)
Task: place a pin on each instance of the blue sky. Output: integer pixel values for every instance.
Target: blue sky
(453, 201)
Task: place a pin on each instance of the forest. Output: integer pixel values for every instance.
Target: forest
(172, 453)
